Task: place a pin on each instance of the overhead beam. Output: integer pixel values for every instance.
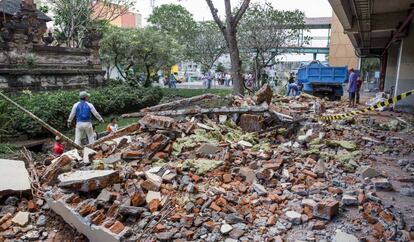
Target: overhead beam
(343, 10)
(381, 22)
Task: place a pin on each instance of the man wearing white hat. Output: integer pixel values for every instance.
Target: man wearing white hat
(83, 110)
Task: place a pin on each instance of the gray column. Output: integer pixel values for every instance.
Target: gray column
(392, 65)
(405, 72)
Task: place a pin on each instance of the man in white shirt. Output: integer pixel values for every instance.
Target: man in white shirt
(83, 110)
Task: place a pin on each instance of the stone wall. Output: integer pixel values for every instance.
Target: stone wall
(51, 68)
(48, 80)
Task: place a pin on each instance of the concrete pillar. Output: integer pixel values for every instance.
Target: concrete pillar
(405, 72)
(392, 65)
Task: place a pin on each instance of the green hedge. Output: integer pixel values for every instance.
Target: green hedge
(54, 107)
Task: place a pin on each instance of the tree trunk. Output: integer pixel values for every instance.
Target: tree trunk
(200, 111)
(235, 62)
(148, 79)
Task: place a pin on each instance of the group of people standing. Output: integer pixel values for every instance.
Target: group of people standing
(221, 78)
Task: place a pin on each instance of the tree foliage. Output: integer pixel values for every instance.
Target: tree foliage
(208, 44)
(174, 20)
(265, 32)
(74, 18)
(139, 52)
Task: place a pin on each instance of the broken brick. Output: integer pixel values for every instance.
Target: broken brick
(215, 207)
(326, 209)
(154, 204)
(117, 227)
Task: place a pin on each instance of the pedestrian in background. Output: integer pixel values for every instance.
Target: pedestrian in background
(352, 86)
(83, 111)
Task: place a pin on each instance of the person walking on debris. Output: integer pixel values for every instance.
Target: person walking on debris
(83, 110)
(352, 86)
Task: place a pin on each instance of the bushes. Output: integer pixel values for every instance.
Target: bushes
(54, 107)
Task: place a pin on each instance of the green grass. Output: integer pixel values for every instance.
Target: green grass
(186, 93)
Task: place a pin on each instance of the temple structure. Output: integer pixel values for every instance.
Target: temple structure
(28, 62)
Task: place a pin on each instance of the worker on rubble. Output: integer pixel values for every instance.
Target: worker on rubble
(83, 110)
(292, 86)
(58, 147)
(352, 86)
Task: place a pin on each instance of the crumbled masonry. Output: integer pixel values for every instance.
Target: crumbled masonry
(206, 178)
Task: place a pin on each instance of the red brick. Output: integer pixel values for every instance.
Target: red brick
(117, 227)
(215, 207)
(154, 205)
(227, 178)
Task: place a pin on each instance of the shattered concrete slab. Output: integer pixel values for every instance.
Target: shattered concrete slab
(89, 180)
(94, 232)
(13, 177)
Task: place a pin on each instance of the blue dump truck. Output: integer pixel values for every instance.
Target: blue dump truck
(322, 80)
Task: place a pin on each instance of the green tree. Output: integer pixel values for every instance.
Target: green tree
(176, 21)
(369, 65)
(136, 52)
(220, 67)
(208, 45)
(74, 18)
(229, 30)
(266, 32)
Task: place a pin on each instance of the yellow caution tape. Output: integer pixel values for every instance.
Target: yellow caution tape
(385, 103)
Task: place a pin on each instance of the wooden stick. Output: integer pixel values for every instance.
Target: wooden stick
(197, 111)
(43, 123)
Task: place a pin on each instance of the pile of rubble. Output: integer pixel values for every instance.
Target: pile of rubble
(260, 169)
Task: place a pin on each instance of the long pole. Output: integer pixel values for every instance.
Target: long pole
(43, 123)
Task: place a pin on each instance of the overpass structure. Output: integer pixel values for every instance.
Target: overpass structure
(323, 23)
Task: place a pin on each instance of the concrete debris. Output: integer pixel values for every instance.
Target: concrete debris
(293, 217)
(344, 237)
(368, 172)
(59, 165)
(94, 228)
(381, 183)
(87, 153)
(225, 228)
(349, 200)
(90, 180)
(21, 218)
(14, 177)
(208, 149)
(261, 173)
(260, 189)
(152, 196)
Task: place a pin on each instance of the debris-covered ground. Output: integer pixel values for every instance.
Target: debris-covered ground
(258, 169)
